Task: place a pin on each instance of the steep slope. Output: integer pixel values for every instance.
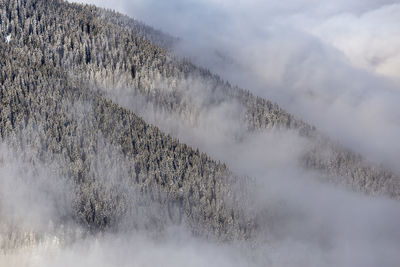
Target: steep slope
(169, 86)
(45, 111)
(59, 59)
(112, 51)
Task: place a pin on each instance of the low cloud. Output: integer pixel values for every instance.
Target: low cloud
(281, 51)
(301, 220)
(332, 64)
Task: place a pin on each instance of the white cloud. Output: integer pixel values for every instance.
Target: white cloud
(370, 40)
(284, 51)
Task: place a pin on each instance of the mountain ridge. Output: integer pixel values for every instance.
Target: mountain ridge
(61, 51)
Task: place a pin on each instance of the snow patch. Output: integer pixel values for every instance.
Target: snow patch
(8, 38)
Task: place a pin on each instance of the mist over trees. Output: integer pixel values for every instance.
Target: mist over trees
(60, 65)
(46, 110)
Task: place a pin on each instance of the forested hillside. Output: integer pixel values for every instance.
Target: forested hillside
(58, 117)
(59, 62)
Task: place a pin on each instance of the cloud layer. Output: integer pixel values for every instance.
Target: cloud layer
(299, 54)
(333, 64)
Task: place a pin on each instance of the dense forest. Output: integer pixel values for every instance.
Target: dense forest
(59, 62)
